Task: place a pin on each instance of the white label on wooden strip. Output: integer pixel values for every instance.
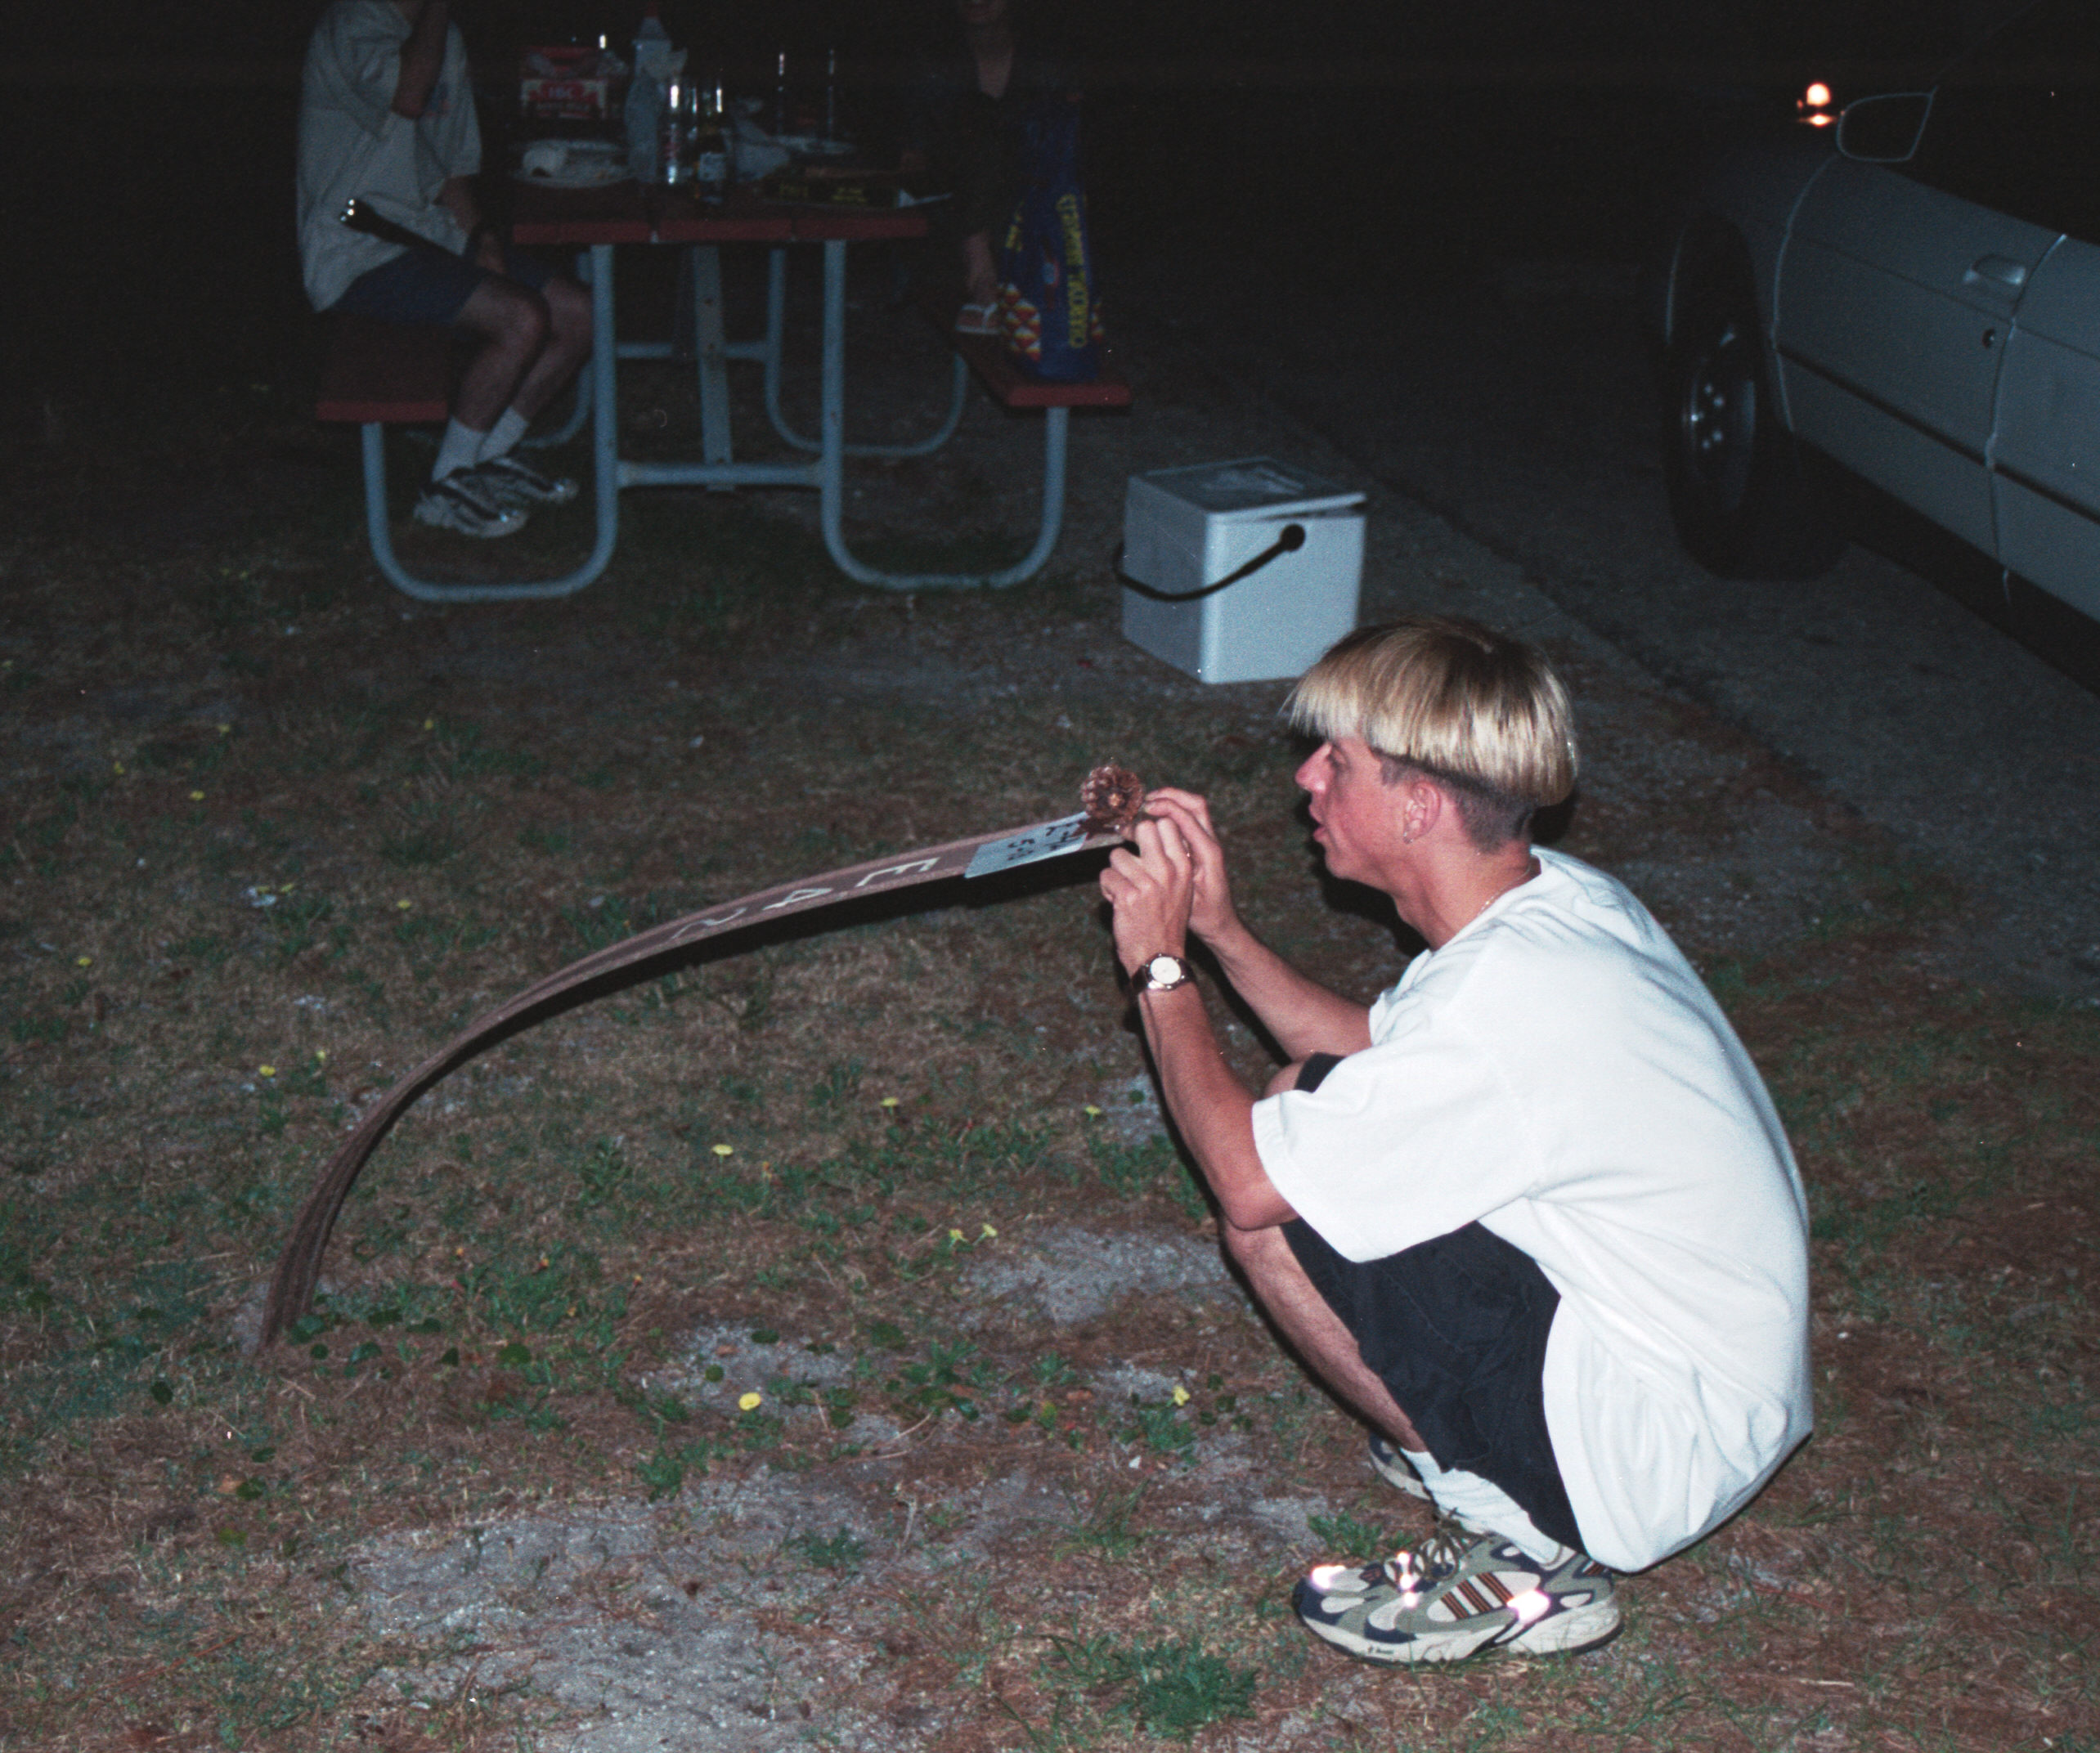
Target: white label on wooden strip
(1046, 840)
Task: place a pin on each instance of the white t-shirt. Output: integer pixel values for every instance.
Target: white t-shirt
(351, 143)
(1558, 1072)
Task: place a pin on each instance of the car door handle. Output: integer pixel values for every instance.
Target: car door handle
(2000, 270)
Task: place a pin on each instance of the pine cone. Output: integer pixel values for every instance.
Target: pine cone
(1113, 798)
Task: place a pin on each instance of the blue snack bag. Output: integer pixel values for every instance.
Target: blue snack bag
(1049, 312)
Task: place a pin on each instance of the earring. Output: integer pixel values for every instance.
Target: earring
(1407, 836)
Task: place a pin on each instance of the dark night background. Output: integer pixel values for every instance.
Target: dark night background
(149, 147)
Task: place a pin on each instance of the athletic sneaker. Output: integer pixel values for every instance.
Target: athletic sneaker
(461, 503)
(1457, 1595)
(1395, 1468)
(516, 482)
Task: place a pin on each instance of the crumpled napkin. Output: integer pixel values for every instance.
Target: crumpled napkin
(544, 158)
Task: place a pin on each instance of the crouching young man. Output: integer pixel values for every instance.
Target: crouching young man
(1531, 1214)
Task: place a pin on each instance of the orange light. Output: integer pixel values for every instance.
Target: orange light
(1818, 95)
(1821, 121)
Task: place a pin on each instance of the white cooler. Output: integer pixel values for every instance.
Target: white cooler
(1184, 528)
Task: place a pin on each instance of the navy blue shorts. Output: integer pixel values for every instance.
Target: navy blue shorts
(1456, 1327)
(431, 285)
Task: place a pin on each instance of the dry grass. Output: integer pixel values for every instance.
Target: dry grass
(406, 818)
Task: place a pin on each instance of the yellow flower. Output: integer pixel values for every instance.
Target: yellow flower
(404, 905)
(196, 797)
(751, 1402)
(1180, 1395)
(84, 962)
(224, 728)
(320, 1053)
(889, 1102)
(725, 1149)
(119, 766)
(955, 1235)
(430, 723)
(986, 1233)
(1092, 1112)
(266, 1071)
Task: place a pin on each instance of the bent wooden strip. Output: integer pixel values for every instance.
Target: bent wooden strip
(299, 1268)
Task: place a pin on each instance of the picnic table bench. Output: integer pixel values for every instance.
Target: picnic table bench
(376, 375)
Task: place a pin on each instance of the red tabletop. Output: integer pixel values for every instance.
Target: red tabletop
(627, 213)
(581, 216)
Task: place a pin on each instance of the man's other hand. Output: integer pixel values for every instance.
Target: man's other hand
(1151, 890)
(422, 57)
(1211, 915)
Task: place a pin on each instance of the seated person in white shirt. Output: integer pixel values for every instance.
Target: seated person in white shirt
(387, 118)
(1530, 1213)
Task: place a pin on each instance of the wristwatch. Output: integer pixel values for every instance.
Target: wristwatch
(1162, 973)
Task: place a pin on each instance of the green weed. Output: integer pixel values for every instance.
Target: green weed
(1345, 1536)
(1172, 1689)
(844, 1551)
(1106, 1525)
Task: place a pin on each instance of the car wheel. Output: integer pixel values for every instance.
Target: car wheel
(1746, 502)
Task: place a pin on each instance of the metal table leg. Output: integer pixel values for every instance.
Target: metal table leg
(776, 325)
(831, 469)
(704, 265)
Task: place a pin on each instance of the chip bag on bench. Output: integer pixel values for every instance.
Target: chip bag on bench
(1048, 310)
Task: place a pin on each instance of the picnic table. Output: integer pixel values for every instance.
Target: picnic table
(597, 221)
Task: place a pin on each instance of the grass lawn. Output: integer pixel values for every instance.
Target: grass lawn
(824, 1314)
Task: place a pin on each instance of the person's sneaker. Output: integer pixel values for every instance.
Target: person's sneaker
(460, 503)
(1458, 1595)
(516, 482)
(1396, 1469)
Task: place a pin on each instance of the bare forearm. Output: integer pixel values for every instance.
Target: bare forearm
(1303, 1016)
(1213, 1110)
(457, 197)
(422, 59)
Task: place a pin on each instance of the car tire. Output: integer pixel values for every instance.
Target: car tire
(1747, 502)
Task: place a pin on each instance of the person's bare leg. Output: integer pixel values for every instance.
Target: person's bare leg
(1315, 1331)
(1312, 1327)
(568, 346)
(980, 276)
(513, 323)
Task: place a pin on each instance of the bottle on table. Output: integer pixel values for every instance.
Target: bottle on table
(646, 94)
(711, 143)
(673, 133)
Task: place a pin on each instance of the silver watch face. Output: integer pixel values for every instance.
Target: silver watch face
(1164, 970)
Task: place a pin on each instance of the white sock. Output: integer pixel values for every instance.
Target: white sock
(1486, 1504)
(461, 448)
(509, 427)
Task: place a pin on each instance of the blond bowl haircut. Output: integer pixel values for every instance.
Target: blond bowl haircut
(1479, 713)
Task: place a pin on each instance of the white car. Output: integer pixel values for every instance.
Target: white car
(1919, 302)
